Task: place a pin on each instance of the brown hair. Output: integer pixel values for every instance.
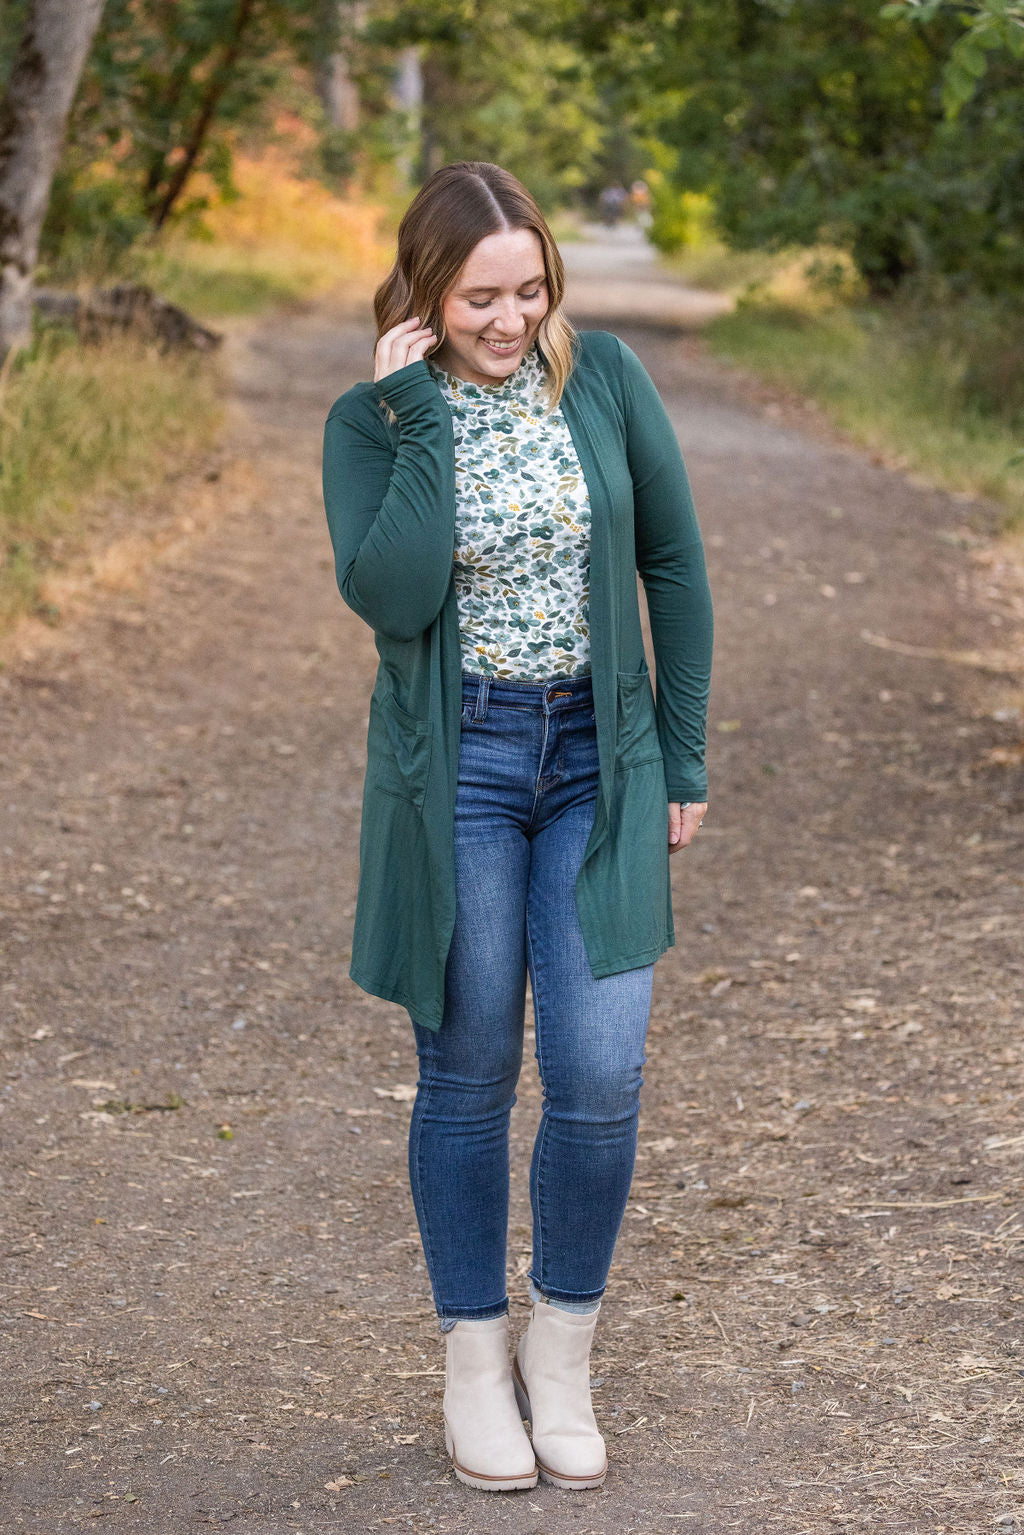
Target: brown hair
(456, 208)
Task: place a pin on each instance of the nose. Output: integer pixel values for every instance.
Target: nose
(509, 320)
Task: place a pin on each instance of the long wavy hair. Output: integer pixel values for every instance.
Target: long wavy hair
(456, 208)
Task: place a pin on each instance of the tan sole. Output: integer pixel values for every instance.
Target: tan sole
(569, 1483)
(484, 1480)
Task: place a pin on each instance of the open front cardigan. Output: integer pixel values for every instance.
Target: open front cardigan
(389, 493)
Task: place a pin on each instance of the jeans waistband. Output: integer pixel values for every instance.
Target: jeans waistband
(555, 692)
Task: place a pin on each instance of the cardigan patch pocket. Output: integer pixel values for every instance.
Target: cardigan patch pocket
(637, 726)
(404, 757)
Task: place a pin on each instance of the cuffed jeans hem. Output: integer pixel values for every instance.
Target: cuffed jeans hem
(568, 1300)
(449, 1315)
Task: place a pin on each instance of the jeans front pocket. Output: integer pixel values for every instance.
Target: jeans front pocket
(636, 740)
(404, 756)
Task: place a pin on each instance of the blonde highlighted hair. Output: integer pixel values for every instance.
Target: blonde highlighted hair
(456, 208)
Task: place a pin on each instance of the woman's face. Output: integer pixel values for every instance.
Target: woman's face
(494, 310)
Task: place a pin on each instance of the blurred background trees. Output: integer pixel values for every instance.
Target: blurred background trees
(810, 123)
(235, 153)
(894, 132)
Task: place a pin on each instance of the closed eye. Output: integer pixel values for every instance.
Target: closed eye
(487, 302)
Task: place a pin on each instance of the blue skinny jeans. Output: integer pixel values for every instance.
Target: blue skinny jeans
(528, 771)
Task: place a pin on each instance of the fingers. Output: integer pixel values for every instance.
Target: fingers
(683, 823)
(402, 344)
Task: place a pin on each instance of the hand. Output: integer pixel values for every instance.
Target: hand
(401, 345)
(683, 821)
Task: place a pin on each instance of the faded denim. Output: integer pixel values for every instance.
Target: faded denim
(528, 776)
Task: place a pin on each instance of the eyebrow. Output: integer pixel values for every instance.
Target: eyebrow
(524, 284)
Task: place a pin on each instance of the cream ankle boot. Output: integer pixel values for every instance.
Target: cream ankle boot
(551, 1375)
(483, 1430)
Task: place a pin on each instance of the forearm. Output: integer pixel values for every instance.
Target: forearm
(682, 630)
(670, 559)
(391, 513)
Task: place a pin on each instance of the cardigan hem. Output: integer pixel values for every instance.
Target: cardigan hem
(632, 961)
(613, 967)
(375, 990)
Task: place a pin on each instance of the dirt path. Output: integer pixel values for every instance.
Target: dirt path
(814, 1321)
(614, 276)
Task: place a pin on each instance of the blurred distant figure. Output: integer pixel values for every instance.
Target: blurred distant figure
(612, 201)
(640, 202)
(640, 196)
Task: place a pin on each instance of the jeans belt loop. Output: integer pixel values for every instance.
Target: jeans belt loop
(481, 698)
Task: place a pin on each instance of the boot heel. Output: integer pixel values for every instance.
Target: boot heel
(522, 1400)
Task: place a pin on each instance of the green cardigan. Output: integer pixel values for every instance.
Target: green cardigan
(389, 492)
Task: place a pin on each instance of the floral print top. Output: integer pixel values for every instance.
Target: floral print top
(522, 529)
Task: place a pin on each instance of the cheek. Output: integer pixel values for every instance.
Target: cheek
(457, 317)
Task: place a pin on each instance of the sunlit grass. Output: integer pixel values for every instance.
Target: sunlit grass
(933, 387)
(893, 387)
(85, 429)
(285, 238)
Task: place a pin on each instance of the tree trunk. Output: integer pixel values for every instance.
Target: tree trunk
(216, 86)
(337, 90)
(435, 90)
(33, 115)
(407, 96)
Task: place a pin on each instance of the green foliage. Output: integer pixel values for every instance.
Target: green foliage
(502, 82)
(680, 220)
(990, 25)
(821, 121)
(170, 88)
(165, 88)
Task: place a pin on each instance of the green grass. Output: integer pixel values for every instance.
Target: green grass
(934, 383)
(713, 265)
(80, 426)
(217, 283)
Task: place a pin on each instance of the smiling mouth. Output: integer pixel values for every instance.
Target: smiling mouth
(502, 348)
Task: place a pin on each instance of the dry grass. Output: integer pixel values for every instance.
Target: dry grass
(82, 429)
(87, 433)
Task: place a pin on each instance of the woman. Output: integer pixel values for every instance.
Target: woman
(489, 510)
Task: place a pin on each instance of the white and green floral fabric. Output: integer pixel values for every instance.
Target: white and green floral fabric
(522, 529)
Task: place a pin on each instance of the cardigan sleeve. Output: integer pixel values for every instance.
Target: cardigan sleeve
(670, 560)
(391, 512)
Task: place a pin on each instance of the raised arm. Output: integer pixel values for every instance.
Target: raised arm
(391, 513)
(670, 559)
